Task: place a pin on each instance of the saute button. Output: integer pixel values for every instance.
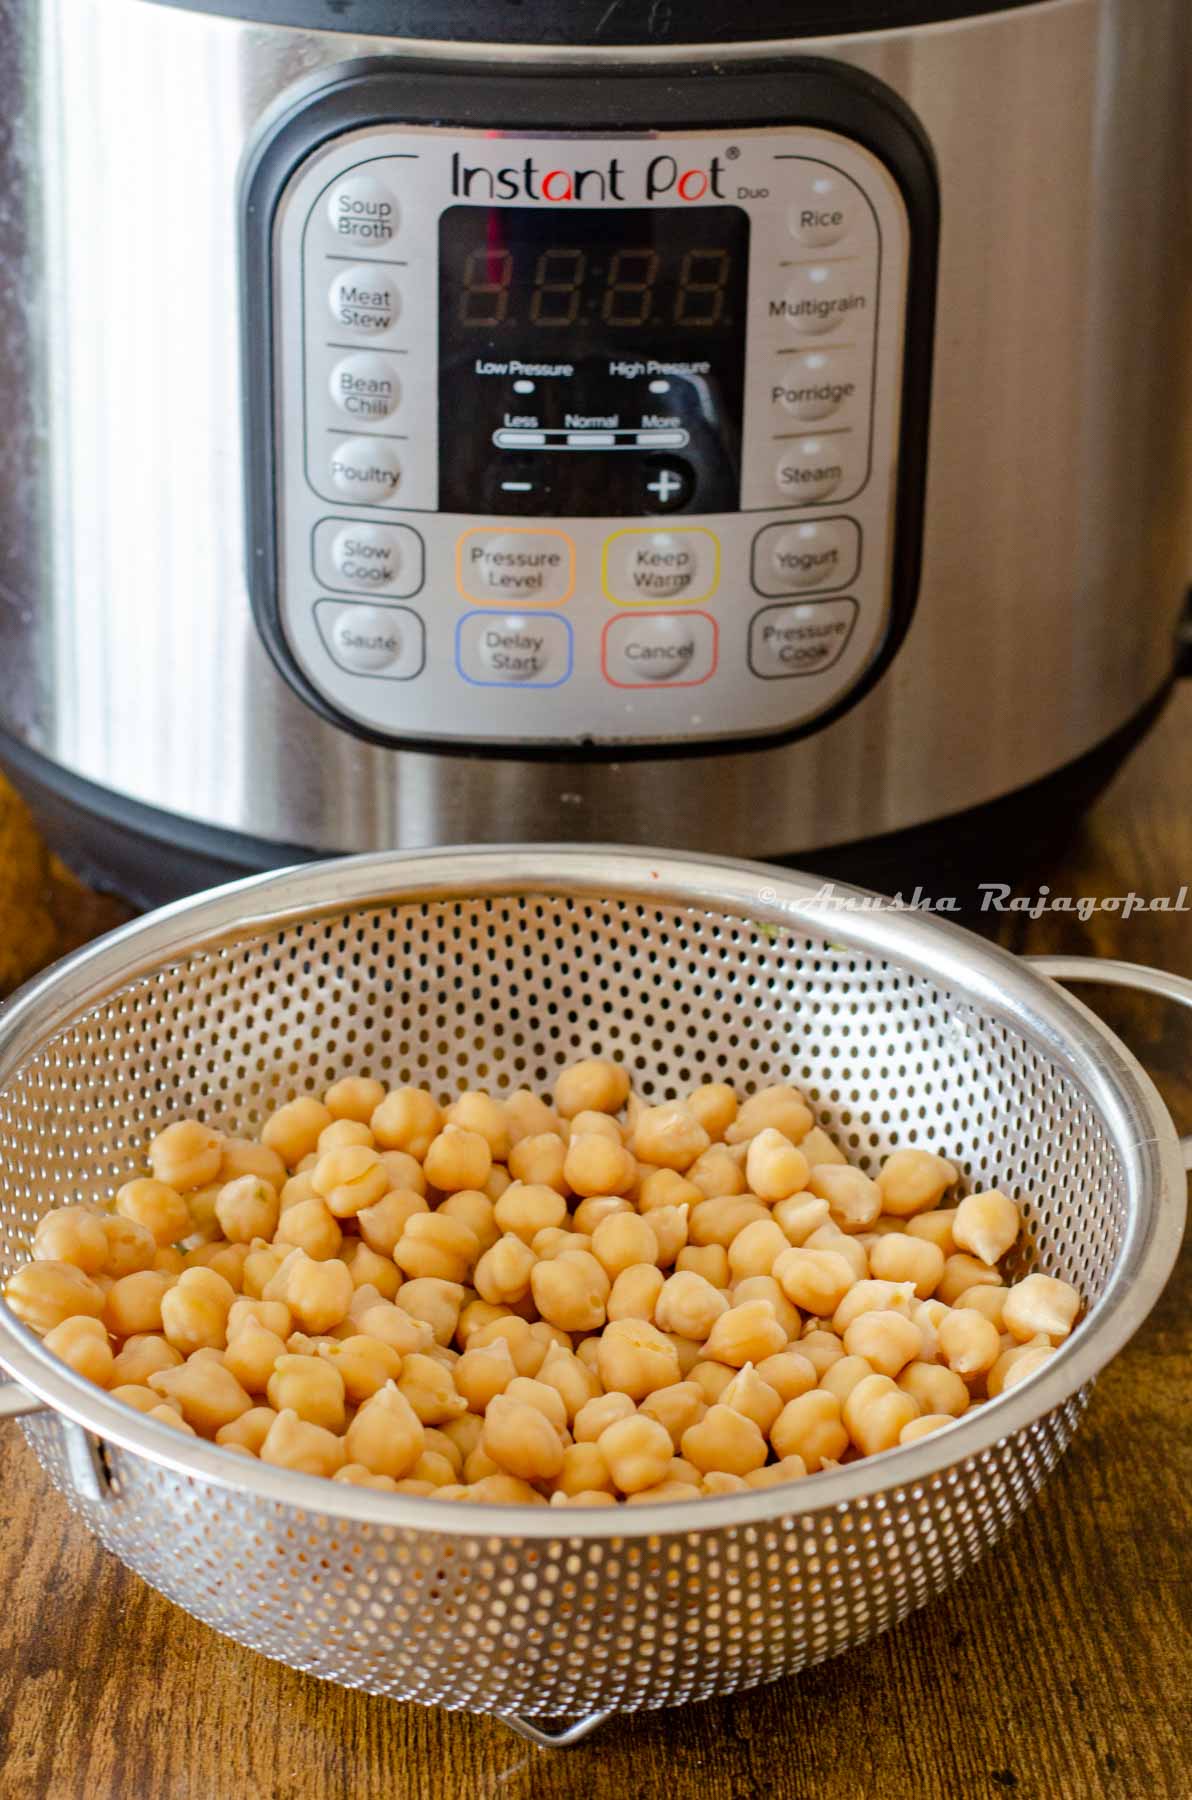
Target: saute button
(372, 640)
(364, 299)
(366, 386)
(644, 566)
(520, 567)
(821, 296)
(814, 384)
(366, 469)
(362, 211)
(513, 649)
(654, 649)
(800, 640)
(811, 468)
(793, 557)
(824, 208)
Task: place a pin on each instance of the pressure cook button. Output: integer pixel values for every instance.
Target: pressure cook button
(789, 558)
(513, 649)
(367, 470)
(814, 384)
(364, 299)
(821, 296)
(377, 558)
(366, 386)
(362, 211)
(523, 567)
(644, 566)
(659, 649)
(372, 640)
(824, 209)
(804, 639)
(811, 468)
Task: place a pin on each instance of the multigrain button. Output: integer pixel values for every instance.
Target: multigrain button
(513, 649)
(811, 468)
(364, 300)
(803, 639)
(641, 567)
(821, 296)
(366, 386)
(365, 469)
(523, 568)
(814, 384)
(362, 211)
(659, 649)
(824, 208)
(384, 641)
(817, 552)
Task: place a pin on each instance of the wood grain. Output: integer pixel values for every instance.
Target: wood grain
(1057, 1670)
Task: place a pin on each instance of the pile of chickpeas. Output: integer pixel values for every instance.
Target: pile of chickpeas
(573, 1302)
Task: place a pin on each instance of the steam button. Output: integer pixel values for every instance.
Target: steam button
(363, 211)
(811, 468)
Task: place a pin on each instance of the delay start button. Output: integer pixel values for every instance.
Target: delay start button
(804, 639)
(659, 649)
(522, 568)
(513, 649)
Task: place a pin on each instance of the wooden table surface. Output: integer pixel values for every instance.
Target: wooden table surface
(1058, 1669)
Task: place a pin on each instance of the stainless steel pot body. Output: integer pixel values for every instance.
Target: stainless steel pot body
(1056, 539)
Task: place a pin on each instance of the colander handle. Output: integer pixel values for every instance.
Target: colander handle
(1120, 974)
(15, 1403)
(555, 1740)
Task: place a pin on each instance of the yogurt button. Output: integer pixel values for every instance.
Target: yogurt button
(366, 386)
(821, 296)
(366, 638)
(806, 556)
(814, 384)
(811, 468)
(362, 211)
(824, 209)
(366, 470)
(364, 299)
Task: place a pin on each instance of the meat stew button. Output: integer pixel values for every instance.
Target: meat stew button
(803, 639)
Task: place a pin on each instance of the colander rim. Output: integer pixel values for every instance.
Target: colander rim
(1127, 1103)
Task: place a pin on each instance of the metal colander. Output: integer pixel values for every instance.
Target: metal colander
(493, 968)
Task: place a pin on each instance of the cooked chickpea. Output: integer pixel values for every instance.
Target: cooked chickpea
(717, 1174)
(987, 1224)
(814, 1280)
(635, 1358)
(669, 1136)
(724, 1440)
(261, 1265)
(527, 1351)
(756, 1249)
(936, 1388)
(670, 1226)
(382, 1224)
(350, 1178)
(774, 1168)
(82, 1342)
(584, 1471)
(354, 1097)
(623, 1241)
(294, 1443)
(473, 1208)
(913, 1181)
(140, 1356)
(502, 1274)
(637, 1452)
(1040, 1305)
(522, 1441)
(310, 1226)
(962, 1272)
(873, 1296)
(635, 1292)
(483, 1373)
(774, 1108)
(344, 1134)
(819, 1148)
(595, 1209)
(571, 1291)
(844, 1375)
(664, 1187)
(434, 1244)
(923, 1427)
(819, 1348)
(408, 1119)
(746, 1333)
(186, 1155)
(720, 1220)
(594, 1164)
(875, 1412)
(436, 1303)
(309, 1386)
(575, 1385)
(689, 1306)
(318, 1294)
(227, 1260)
(789, 1373)
(457, 1158)
(244, 1156)
(810, 1426)
(753, 1398)
(479, 1112)
(539, 1160)
(887, 1341)
(711, 1378)
(1015, 1364)
(990, 1302)
(899, 1257)
(136, 1303)
(193, 1312)
(800, 1216)
(854, 1201)
(528, 1116)
(247, 1208)
(715, 1106)
(130, 1247)
(708, 1260)
(253, 1353)
(968, 1343)
(367, 1269)
(675, 1407)
(209, 1394)
(593, 1085)
(523, 1210)
(249, 1431)
(430, 1389)
(75, 1235)
(293, 1130)
(386, 1435)
(364, 1365)
(935, 1227)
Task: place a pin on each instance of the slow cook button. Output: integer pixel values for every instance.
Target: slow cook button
(800, 640)
(372, 640)
(364, 300)
(522, 568)
(366, 469)
(351, 553)
(821, 296)
(644, 566)
(362, 211)
(366, 386)
(659, 649)
(513, 649)
(789, 558)
(824, 208)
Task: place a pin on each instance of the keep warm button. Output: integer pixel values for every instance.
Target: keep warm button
(800, 640)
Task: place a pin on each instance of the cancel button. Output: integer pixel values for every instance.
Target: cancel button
(800, 640)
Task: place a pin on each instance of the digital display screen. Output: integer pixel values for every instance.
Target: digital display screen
(591, 360)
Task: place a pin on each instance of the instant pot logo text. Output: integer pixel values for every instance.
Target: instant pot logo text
(664, 177)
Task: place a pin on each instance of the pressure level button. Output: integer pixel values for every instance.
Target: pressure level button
(362, 211)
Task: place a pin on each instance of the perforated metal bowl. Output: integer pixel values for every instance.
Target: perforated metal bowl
(492, 968)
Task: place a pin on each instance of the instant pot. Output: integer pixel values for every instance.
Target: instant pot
(463, 421)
